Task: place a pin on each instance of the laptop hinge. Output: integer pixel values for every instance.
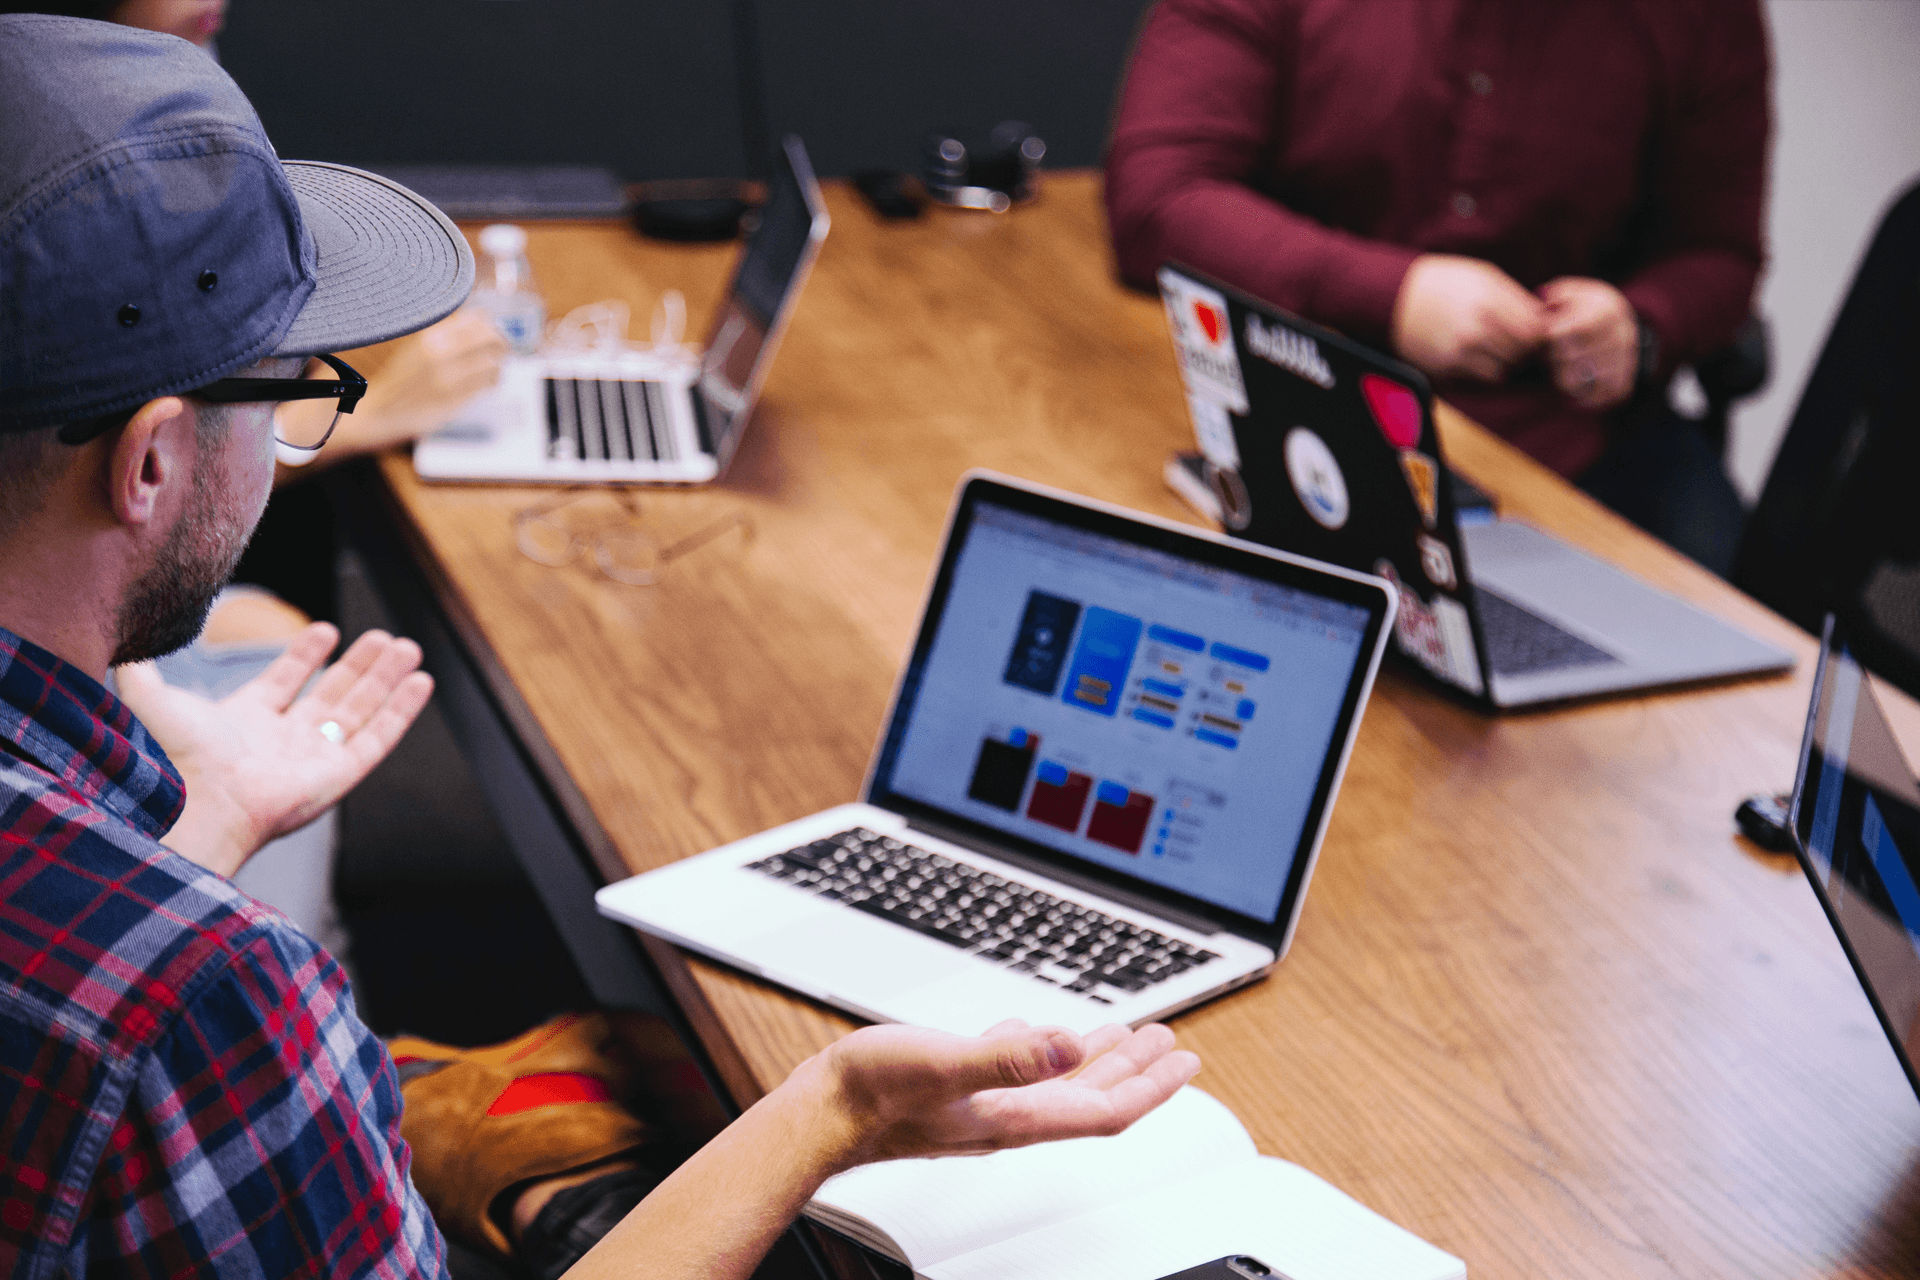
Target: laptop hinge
(697, 394)
(1138, 902)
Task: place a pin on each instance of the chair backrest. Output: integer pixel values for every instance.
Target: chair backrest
(1838, 525)
(1732, 373)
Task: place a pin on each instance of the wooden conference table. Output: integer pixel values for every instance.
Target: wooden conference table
(1544, 1009)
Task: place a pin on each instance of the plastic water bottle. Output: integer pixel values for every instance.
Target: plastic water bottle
(504, 288)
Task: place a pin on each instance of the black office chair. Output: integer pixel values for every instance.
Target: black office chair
(1734, 372)
(1665, 467)
(1838, 525)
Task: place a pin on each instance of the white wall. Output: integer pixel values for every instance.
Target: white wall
(1847, 138)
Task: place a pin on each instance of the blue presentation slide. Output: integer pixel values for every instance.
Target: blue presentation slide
(1101, 661)
(1131, 709)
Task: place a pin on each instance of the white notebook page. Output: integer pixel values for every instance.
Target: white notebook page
(1299, 1225)
(939, 1209)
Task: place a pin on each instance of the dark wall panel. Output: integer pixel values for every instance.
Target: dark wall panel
(864, 81)
(648, 88)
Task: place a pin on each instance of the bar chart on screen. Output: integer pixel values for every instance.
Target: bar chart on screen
(1059, 796)
(1000, 771)
(1120, 817)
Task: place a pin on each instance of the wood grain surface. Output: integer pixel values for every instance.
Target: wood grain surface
(1545, 1008)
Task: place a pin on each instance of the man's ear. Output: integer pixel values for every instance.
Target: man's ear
(155, 450)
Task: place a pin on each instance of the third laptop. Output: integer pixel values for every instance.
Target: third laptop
(1315, 444)
(629, 416)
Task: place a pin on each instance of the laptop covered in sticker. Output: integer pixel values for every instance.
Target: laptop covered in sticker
(1315, 444)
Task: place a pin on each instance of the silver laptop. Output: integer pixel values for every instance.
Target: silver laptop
(1856, 826)
(1099, 794)
(637, 417)
(1318, 445)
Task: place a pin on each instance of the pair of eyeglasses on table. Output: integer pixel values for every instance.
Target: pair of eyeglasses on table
(618, 539)
(305, 433)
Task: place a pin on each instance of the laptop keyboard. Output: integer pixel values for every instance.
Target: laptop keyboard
(608, 420)
(1051, 939)
(1520, 642)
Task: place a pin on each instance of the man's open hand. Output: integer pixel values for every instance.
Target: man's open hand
(266, 760)
(913, 1092)
(883, 1093)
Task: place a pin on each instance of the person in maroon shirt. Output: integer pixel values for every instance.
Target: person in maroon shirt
(1543, 206)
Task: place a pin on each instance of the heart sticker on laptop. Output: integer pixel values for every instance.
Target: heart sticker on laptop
(1395, 408)
(1211, 322)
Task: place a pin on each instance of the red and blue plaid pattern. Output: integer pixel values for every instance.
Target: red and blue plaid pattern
(185, 1088)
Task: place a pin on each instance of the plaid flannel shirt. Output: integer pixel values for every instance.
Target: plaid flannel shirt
(185, 1088)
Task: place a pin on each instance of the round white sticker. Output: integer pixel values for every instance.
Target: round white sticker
(1316, 478)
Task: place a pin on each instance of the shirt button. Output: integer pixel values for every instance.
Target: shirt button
(1464, 205)
(1481, 83)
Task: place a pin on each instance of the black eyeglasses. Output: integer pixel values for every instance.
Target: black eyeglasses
(307, 433)
(306, 436)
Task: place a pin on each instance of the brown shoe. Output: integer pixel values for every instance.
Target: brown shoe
(480, 1121)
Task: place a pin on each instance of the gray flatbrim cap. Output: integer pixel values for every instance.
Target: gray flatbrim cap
(386, 262)
(152, 241)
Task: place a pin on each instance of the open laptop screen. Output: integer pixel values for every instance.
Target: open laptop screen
(793, 221)
(1856, 815)
(1138, 709)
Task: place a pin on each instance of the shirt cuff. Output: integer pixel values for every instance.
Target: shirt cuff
(1357, 291)
(1652, 309)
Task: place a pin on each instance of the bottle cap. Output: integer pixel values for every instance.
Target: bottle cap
(503, 240)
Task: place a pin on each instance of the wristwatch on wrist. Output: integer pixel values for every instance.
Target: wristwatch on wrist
(1649, 365)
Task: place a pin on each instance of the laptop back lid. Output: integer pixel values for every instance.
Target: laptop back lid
(759, 302)
(1328, 450)
(1132, 704)
(1856, 822)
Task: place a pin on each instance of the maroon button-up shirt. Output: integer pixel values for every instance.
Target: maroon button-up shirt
(1308, 150)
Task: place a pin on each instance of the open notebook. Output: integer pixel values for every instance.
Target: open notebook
(1183, 1186)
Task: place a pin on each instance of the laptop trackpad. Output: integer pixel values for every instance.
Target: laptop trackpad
(848, 952)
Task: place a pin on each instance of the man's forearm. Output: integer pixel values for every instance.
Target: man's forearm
(719, 1213)
(1229, 230)
(212, 834)
(1695, 300)
(884, 1093)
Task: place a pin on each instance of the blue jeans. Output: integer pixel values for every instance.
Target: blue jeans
(1660, 472)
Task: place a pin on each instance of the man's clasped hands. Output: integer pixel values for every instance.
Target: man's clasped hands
(1462, 317)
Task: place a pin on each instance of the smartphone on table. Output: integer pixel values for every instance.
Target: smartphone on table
(1236, 1266)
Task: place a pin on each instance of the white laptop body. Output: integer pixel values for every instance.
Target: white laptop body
(1079, 735)
(877, 970)
(639, 417)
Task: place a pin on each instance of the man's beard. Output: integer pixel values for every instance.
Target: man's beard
(166, 606)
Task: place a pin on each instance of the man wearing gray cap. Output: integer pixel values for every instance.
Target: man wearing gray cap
(186, 1087)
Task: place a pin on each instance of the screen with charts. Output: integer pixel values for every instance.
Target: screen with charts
(1159, 717)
